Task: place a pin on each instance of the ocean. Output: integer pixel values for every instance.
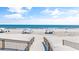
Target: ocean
(39, 26)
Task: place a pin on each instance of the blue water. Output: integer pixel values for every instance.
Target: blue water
(39, 26)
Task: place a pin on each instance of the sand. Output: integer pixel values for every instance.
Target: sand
(54, 39)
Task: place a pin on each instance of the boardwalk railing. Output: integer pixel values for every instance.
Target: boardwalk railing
(8, 44)
(47, 45)
(71, 44)
(29, 44)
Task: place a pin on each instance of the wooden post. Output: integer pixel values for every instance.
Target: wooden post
(63, 42)
(3, 44)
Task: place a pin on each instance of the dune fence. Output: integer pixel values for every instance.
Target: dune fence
(71, 44)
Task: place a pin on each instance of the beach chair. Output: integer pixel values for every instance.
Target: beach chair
(47, 45)
(1, 31)
(26, 31)
(48, 32)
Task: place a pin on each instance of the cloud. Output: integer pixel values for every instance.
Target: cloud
(17, 12)
(46, 11)
(59, 13)
(14, 16)
(29, 8)
(55, 13)
(75, 12)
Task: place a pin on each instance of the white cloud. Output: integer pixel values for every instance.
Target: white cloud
(14, 16)
(17, 10)
(46, 11)
(55, 16)
(76, 12)
(52, 12)
(55, 13)
(29, 8)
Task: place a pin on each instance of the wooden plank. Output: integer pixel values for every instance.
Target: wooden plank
(63, 42)
(12, 40)
(3, 44)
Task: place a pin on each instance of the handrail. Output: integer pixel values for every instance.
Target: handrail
(29, 43)
(12, 40)
(47, 45)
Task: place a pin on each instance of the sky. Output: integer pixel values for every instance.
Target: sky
(40, 15)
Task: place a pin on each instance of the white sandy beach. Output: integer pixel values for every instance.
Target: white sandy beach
(54, 39)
